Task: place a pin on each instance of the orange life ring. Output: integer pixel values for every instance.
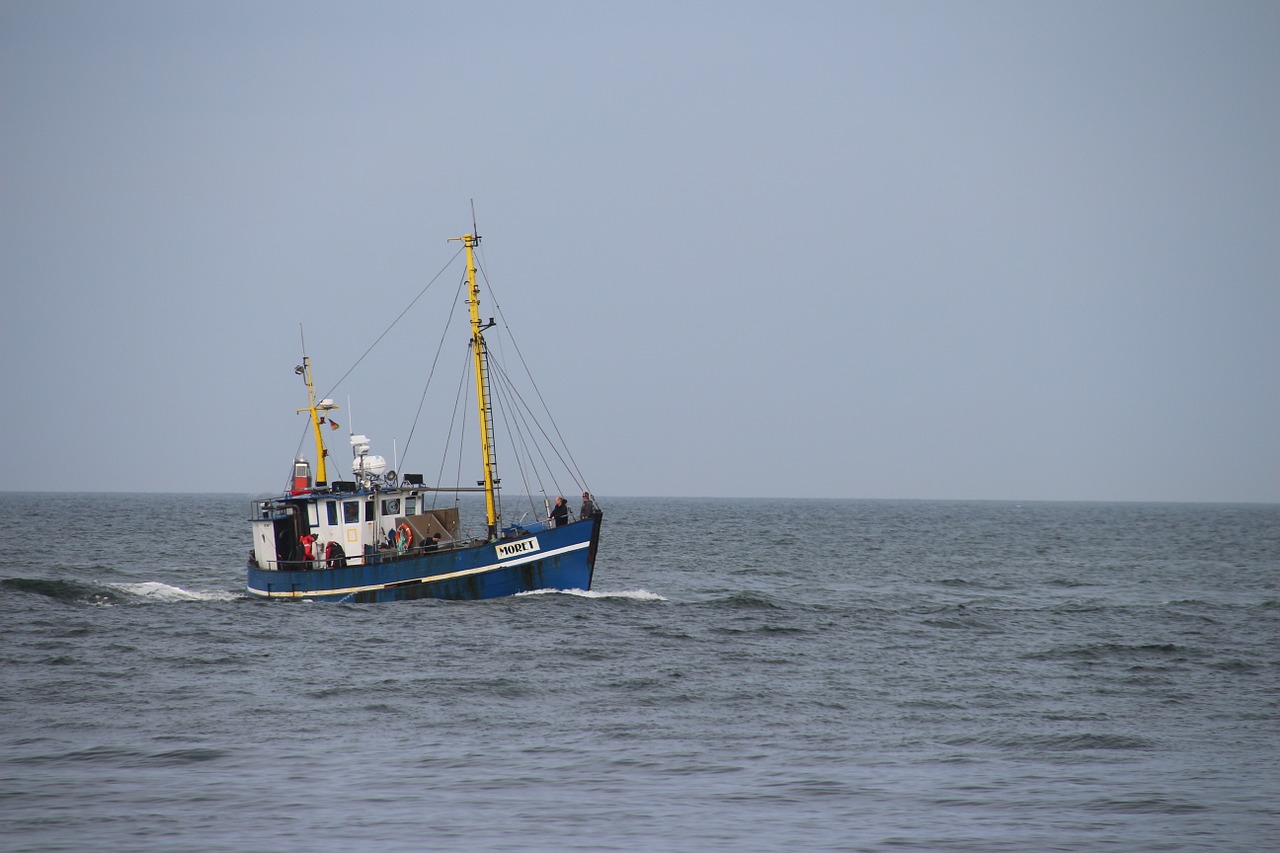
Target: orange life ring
(404, 538)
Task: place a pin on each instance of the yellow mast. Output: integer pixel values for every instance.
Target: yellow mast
(470, 241)
(322, 476)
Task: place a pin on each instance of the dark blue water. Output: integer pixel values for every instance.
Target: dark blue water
(747, 675)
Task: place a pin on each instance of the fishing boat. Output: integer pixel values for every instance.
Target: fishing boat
(379, 536)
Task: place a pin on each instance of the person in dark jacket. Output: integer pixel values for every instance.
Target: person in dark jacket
(588, 507)
(559, 513)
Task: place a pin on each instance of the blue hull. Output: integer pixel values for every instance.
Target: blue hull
(559, 558)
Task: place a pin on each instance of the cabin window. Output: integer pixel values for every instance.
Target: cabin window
(351, 512)
(410, 506)
(369, 513)
(391, 507)
(331, 507)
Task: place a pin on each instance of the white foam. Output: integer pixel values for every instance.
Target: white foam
(163, 592)
(633, 594)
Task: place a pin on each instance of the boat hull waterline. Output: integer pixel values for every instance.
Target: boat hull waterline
(557, 558)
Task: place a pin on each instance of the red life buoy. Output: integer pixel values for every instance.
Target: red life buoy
(404, 538)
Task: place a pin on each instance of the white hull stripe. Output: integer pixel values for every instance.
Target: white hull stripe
(479, 570)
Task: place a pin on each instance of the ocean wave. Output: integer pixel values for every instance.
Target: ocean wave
(118, 757)
(1143, 805)
(1067, 583)
(965, 623)
(1116, 651)
(1079, 741)
(748, 600)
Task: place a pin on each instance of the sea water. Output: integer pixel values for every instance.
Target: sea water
(744, 675)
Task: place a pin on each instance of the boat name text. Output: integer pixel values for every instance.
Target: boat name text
(514, 549)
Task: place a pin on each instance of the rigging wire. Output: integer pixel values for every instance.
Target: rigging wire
(302, 440)
(554, 445)
(398, 318)
(525, 411)
(525, 416)
(573, 468)
(444, 334)
(507, 408)
(459, 401)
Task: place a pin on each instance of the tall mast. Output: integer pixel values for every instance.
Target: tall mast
(314, 410)
(480, 354)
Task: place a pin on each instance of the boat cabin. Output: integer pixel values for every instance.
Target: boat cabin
(347, 526)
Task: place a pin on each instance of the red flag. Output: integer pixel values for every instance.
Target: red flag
(333, 424)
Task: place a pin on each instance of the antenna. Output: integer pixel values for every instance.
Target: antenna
(475, 230)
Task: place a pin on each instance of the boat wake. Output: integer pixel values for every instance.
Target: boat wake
(163, 592)
(632, 594)
(111, 594)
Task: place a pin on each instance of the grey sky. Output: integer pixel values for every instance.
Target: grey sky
(916, 250)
